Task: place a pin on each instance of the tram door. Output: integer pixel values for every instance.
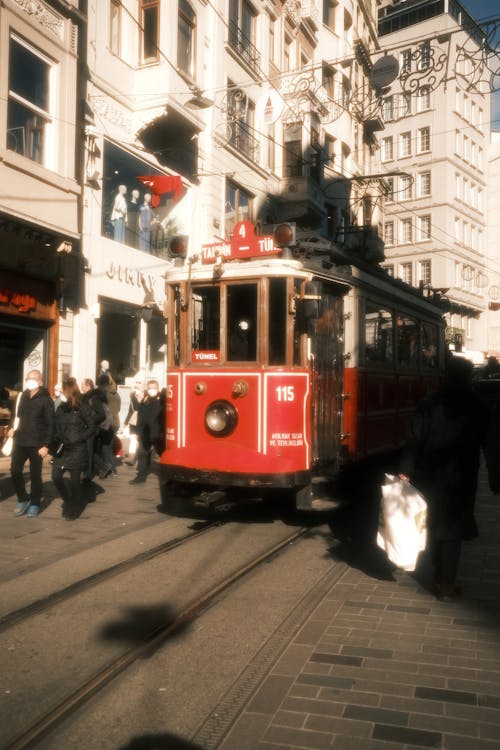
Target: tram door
(327, 379)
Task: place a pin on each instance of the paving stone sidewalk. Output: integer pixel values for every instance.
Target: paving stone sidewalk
(382, 665)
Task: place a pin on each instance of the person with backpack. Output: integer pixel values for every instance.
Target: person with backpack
(104, 458)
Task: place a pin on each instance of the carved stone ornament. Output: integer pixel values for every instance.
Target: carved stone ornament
(45, 15)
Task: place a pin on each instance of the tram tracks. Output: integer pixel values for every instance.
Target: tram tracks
(77, 587)
(149, 642)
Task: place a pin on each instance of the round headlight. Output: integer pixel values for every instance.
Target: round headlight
(221, 418)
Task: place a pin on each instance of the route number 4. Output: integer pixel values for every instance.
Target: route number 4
(285, 393)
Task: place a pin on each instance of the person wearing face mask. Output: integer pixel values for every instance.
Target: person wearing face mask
(149, 423)
(32, 437)
(75, 424)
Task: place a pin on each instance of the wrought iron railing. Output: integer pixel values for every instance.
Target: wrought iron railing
(242, 45)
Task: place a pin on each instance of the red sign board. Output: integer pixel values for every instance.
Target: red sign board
(243, 244)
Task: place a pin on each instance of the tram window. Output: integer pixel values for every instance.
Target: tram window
(277, 321)
(430, 346)
(242, 322)
(206, 318)
(379, 333)
(408, 346)
(176, 327)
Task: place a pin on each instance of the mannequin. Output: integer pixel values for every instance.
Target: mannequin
(145, 218)
(119, 214)
(132, 219)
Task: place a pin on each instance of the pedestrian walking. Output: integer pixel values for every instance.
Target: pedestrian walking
(95, 400)
(74, 426)
(149, 429)
(104, 458)
(33, 435)
(441, 459)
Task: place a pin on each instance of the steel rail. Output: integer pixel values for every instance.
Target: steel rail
(40, 605)
(149, 643)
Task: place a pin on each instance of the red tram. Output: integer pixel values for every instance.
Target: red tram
(286, 363)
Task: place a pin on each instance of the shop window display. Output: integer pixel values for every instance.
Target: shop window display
(137, 201)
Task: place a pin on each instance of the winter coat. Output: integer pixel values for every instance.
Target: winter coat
(114, 402)
(442, 457)
(149, 421)
(36, 419)
(95, 400)
(73, 428)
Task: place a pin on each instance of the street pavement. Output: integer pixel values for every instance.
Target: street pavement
(375, 662)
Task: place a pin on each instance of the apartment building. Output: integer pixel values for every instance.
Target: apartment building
(436, 136)
(202, 113)
(40, 217)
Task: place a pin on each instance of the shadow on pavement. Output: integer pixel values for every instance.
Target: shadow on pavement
(139, 623)
(162, 741)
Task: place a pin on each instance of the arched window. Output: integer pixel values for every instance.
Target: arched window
(186, 39)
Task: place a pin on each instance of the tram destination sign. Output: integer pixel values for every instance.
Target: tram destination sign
(243, 244)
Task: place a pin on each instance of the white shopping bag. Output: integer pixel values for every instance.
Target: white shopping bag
(402, 530)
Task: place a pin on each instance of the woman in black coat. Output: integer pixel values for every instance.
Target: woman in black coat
(441, 459)
(74, 426)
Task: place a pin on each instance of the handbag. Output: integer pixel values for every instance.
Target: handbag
(7, 446)
(402, 529)
(133, 419)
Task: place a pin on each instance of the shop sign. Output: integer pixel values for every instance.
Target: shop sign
(23, 302)
(131, 276)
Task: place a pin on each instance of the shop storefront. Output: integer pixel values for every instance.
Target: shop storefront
(28, 330)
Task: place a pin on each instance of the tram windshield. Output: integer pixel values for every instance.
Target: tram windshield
(237, 321)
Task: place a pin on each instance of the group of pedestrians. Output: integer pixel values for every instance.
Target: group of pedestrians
(78, 428)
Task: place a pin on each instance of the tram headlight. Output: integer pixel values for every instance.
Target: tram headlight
(221, 418)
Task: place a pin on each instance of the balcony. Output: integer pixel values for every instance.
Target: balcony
(299, 198)
(243, 47)
(242, 141)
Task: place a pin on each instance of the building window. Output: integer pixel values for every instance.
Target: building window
(406, 230)
(292, 144)
(405, 273)
(28, 115)
(424, 272)
(405, 144)
(115, 26)
(405, 60)
(241, 122)
(272, 39)
(387, 148)
(186, 39)
(423, 139)
(242, 31)
(389, 233)
(424, 55)
(150, 25)
(405, 187)
(329, 149)
(238, 207)
(424, 184)
(424, 99)
(388, 109)
(329, 9)
(424, 228)
(389, 196)
(404, 105)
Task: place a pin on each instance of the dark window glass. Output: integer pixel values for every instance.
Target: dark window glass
(150, 25)
(205, 305)
(408, 341)
(278, 316)
(185, 38)
(28, 76)
(242, 322)
(379, 328)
